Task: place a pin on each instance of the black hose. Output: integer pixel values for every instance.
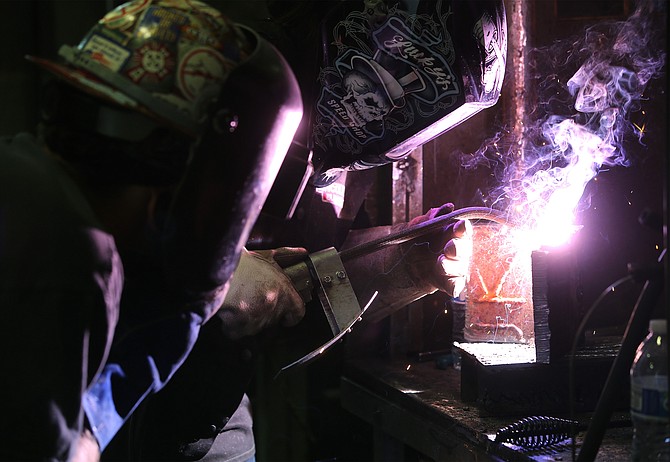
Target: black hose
(426, 227)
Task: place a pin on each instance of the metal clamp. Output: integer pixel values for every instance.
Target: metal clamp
(334, 289)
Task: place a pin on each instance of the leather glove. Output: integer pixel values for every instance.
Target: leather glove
(445, 258)
(260, 294)
(401, 274)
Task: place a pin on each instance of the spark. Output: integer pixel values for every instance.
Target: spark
(408, 366)
(481, 280)
(412, 392)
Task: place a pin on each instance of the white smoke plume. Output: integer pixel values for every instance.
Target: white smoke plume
(587, 88)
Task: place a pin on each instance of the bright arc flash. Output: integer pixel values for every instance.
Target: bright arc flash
(553, 195)
(583, 131)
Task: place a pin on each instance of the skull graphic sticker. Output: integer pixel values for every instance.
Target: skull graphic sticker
(394, 75)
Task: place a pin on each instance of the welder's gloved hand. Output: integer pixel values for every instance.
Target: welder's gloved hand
(260, 294)
(442, 258)
(401, 274)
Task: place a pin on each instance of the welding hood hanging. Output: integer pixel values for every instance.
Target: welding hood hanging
(394, 75)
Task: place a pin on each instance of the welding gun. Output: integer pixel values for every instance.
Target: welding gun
(323, 272)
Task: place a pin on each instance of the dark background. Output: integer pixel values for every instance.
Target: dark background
(301, 418)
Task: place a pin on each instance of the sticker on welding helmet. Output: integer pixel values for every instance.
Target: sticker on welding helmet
(396, 41)
(124, 15)
(403, 68)
(490, 35)
(200, 68)
(150, 63)
(104, 51)
(162, 24)
(394, 77)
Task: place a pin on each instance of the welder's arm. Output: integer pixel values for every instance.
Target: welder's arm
(406, 272)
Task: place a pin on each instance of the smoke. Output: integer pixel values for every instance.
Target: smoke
(587, 88)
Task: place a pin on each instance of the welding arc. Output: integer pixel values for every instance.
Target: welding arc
(426, 227)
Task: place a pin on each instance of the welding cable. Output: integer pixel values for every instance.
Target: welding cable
(636, 329)
(426, 227)
(541, 431)
(573, 351)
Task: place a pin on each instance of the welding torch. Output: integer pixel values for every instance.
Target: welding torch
(323, 271)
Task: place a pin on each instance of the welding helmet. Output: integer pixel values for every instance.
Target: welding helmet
(147, 73)
(394, 75)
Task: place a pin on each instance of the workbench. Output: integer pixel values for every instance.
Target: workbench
(416, 413)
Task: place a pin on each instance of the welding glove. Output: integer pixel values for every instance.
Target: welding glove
(260, 294)
(401, 274)
(444, 260)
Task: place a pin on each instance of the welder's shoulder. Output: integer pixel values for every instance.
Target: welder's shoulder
(46, 224)
(35, 184)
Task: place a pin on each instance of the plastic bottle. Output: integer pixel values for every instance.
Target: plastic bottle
(649, 396)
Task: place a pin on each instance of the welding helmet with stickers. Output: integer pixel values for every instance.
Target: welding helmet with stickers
(151, 69)
(395, 74)
(164, 58)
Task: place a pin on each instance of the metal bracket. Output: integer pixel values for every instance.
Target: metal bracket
(334, 289)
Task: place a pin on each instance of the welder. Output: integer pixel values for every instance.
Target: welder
(204, 414)
(120, 224)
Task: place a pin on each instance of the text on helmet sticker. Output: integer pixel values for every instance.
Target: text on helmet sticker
(106, 52)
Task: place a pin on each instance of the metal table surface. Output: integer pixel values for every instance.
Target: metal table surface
(417, 405)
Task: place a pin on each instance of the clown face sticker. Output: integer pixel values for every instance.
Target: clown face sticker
(490, 35)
